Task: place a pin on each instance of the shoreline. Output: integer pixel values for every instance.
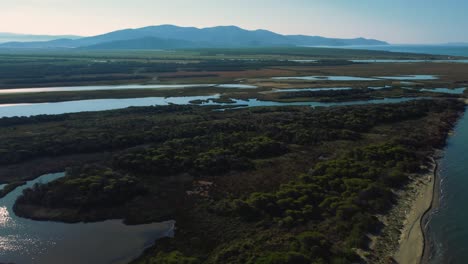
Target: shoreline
(427, 246)
(402, 234)
(413, 237)
(428, 243)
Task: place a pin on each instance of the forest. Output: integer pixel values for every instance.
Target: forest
(288, 184)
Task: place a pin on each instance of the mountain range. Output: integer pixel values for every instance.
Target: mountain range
(174, 37)
(9, 37)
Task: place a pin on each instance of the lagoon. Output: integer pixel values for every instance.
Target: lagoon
(410, 77)
(56, 108)
(112, 104)
(258, 103)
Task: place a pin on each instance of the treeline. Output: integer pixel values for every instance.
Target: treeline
(351, 94)
(83, 133)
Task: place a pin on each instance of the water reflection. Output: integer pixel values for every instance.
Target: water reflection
(313, 89)
(27, 241)
(110, 104)
(410, 77)
(93, 105)
(445, 90)
(5, 218)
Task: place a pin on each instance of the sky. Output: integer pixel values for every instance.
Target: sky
(395, 21)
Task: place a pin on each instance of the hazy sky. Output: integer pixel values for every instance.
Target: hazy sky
(396, 21)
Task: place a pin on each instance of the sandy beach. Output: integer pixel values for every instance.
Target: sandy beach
(402, 239)
(412, 239)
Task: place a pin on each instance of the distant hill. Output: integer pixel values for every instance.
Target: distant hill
(173, 37)
(12, 37)
(144, 43)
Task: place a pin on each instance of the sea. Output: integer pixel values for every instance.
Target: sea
(449, 50)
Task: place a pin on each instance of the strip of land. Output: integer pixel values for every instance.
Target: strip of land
(412, 237)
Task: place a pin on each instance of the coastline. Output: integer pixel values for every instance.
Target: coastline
(426, 254)
(402, 234)
(412, 239)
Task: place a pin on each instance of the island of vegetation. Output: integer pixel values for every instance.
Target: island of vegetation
(260, 185)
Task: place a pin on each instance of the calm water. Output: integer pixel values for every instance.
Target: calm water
(445, 90)
(236, 86)
(111, 104)
(257, 103)
(27, 241)
(304, 61)
(121, 87)
(410, 77)
(390, 61)
(449, 50)
(410, 61)
(92, 105)
(353, 78)
(447, 226)
(313, 89)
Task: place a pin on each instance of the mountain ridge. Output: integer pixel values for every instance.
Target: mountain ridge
(187, 37)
